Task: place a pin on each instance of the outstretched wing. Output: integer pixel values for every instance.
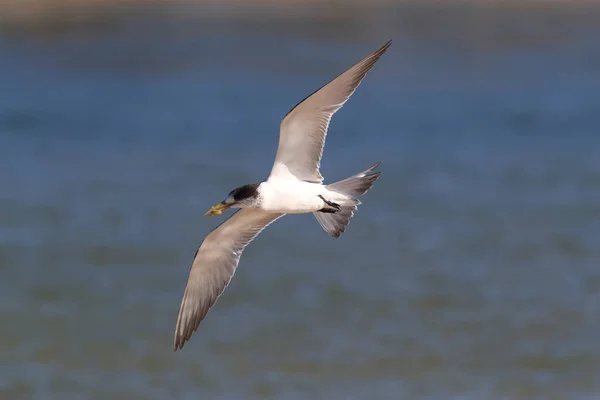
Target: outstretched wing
(303, 130)
(214, 265)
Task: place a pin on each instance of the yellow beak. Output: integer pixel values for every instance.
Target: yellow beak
(217, 209)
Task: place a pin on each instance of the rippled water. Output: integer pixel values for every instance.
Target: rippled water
(472, 270)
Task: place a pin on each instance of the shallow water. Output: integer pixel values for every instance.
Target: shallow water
(472, 270)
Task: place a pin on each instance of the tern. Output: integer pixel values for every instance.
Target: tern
(294, 186)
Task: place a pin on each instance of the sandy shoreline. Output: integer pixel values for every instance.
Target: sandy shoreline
(26, 16)
(22, 8)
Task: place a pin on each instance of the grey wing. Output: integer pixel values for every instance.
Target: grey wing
(303, 130)
(214, 265)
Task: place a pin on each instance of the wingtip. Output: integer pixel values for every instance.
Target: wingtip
(178, 343)
(179, 339)
(380, 51)
(385, 46)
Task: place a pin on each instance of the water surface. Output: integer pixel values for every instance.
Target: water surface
(470, 271)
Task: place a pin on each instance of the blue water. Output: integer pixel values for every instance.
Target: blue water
(472, 270)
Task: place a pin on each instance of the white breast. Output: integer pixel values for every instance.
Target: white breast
(290, 196)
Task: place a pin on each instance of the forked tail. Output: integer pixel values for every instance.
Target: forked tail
(356, 185)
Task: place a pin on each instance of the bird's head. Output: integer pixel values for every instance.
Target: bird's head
(242, 197)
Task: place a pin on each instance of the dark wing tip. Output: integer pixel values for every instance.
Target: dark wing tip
(186, 324)
(364, 65)
(177, 344)
(183, 335)
(180, 341)
(383, 48)
(180, 338)
(376, 55)
(191, 313)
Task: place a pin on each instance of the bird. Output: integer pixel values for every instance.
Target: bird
(294, 186)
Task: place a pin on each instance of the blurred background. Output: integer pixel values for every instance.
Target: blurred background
(471, 271)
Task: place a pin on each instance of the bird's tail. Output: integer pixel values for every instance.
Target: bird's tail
(356, 185)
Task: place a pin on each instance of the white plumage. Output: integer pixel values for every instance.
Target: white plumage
(293, 187)
(293, 196)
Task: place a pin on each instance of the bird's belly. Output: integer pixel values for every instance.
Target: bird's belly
(292, 198)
